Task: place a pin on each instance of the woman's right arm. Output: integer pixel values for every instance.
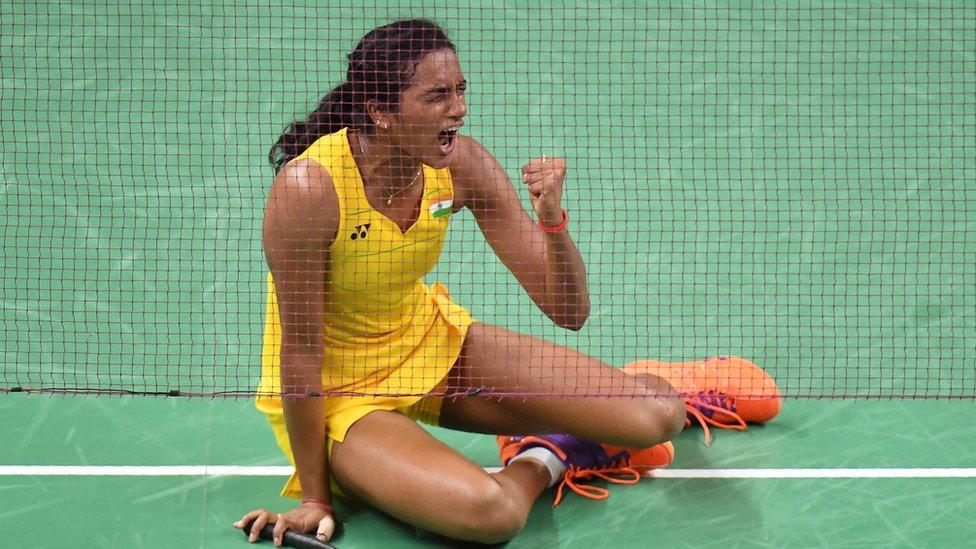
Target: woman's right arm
(301, 220)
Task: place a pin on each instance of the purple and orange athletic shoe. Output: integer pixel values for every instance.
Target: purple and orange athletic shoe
(586, 460)
(723, 391)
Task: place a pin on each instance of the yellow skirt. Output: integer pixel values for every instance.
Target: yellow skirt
(435, 354)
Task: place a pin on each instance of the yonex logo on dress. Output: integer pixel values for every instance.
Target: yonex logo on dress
(360, 232)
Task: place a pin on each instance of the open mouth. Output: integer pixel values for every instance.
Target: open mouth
(446, 139)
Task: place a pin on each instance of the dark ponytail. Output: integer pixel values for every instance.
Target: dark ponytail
(379, 69)
(337, 110)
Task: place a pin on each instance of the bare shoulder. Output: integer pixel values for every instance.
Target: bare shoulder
(306, 179)
(474, 170)
(303, 198)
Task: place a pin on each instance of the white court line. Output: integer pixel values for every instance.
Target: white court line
(274, 471)
(144, 470)
(935, 472)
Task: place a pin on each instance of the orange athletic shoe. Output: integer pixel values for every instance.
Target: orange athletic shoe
(724, 391)
(585, 460)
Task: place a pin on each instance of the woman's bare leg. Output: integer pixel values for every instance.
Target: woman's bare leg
(589, 399)
(387, 460)
(390, 462)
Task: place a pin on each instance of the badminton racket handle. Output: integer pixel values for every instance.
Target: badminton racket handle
(291, 538)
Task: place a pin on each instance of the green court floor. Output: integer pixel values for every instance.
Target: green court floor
(147, 511)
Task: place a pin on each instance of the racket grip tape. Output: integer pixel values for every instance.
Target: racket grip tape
(291, 538)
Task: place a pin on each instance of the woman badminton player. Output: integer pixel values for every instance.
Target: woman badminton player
(356, 216)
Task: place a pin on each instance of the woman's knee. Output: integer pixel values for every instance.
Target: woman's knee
(656, 416)
(673, 416)
(488, 514)
(650, 421)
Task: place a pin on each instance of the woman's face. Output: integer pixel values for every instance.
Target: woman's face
(432, 108)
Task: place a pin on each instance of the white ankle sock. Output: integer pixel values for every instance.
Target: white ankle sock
(546, 457)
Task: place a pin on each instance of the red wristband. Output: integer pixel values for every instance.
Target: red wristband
(558, 228)
(318, 503)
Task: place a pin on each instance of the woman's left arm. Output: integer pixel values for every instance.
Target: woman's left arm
(546, 264)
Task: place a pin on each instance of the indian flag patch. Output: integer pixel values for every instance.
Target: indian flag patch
(441, 207)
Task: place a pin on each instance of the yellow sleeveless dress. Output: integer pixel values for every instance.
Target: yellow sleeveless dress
(390, 340)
